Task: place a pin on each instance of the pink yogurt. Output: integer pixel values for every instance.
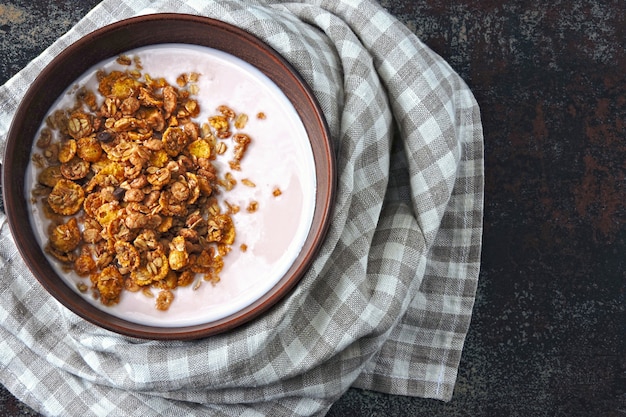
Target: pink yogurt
(279, 156)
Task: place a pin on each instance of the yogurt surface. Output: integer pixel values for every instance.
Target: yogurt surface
(278, 158)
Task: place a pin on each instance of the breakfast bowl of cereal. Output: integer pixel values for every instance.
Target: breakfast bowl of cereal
(168, 176)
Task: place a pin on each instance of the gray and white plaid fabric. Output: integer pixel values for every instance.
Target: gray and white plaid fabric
(387, 303)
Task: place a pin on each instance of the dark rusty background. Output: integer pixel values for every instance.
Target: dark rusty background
(547, 335)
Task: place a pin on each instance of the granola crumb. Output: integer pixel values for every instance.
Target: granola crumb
(252, 207)
(248, 183)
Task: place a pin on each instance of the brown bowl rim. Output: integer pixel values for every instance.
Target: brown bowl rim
(112, 40)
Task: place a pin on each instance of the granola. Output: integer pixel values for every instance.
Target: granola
(126, 177)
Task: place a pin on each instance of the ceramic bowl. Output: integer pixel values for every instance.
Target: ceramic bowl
(108, 43)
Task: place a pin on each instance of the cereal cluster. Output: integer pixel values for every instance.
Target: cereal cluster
(126, 176)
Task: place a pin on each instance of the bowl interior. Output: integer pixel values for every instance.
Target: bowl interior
(110, 42)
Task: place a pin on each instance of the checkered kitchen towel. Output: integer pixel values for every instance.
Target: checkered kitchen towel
(387, 303)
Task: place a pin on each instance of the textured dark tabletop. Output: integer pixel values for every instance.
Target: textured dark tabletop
(547, 334)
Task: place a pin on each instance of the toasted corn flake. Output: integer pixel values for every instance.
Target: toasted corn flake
(200, 148)
(67, 151)
(66, 197)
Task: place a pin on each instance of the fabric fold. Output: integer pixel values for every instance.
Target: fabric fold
(386, 304)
